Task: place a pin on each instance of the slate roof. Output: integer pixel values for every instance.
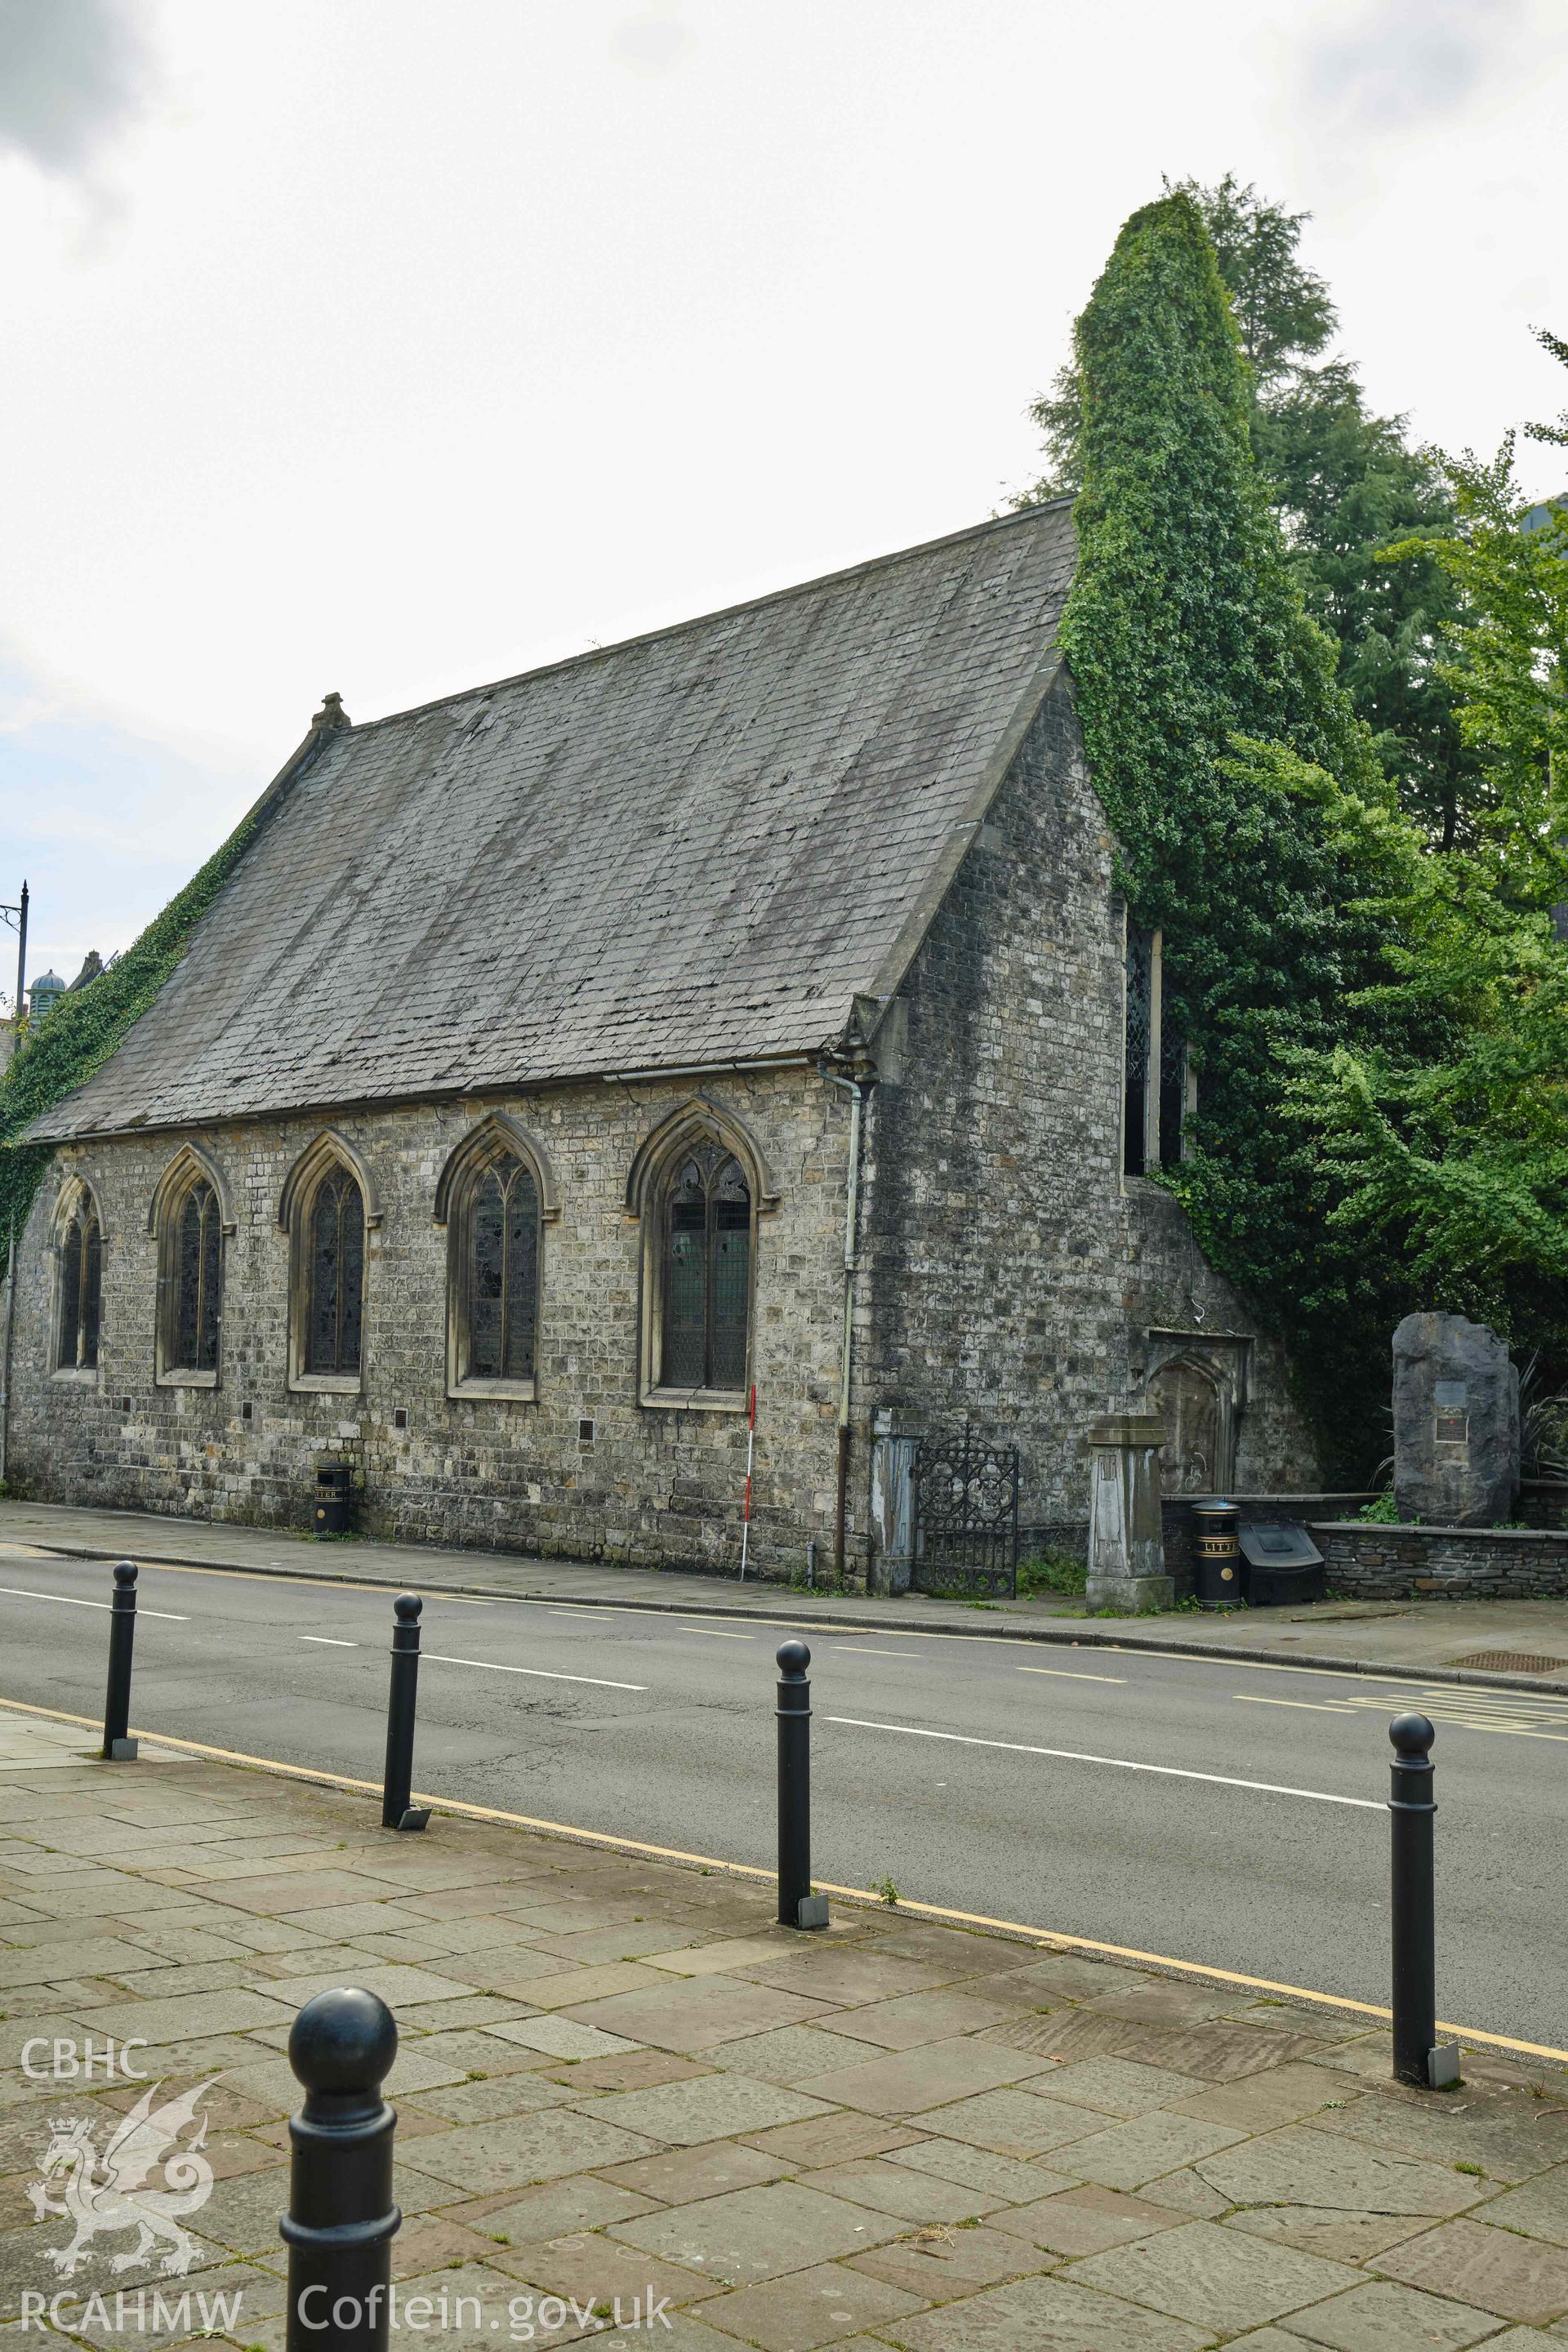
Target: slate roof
(694, 849)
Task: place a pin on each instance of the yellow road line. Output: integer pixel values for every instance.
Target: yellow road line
(1344, 1707)
(1048, 1939)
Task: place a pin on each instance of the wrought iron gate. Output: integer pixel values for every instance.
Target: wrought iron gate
(966, 1516)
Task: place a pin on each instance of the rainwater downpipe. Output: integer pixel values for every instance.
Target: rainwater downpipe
(856, 1089)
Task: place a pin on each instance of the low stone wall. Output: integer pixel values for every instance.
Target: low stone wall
(1374, 1562)
(1543, 1502)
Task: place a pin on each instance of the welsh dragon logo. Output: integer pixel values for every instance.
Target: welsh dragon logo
(118, 2190)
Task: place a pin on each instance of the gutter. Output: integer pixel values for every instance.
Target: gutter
(858, 1089)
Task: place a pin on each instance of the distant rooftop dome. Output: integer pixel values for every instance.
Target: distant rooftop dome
(45, 993)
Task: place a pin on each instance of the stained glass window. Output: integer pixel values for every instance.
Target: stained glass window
(707, 1273)
(503, 1273)
(81, 1290)
(336, 1301)
(198, 1246)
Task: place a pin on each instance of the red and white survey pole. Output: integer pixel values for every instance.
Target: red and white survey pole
(750, 1452)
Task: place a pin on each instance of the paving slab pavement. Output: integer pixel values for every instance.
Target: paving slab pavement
(896, 2134)
(1433, 1638)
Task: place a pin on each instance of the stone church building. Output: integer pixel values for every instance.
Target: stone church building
(746, 1006)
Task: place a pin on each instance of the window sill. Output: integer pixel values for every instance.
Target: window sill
(79, 1375)
(325, 1384)
(694, 1400)
(186, 1377)
(503, 1391)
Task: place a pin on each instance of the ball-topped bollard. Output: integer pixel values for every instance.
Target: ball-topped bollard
(1411, 1809)
(341, 2219)
(1412, 1735)
(119, 1747)
(398, 1780)
(798, 1906)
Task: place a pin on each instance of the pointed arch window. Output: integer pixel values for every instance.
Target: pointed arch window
(190, 1216)
(198, 1281)
(81, 1288)
(502, 1254)
(705, 1323)
(334, 1303)
(328, 1207)
(495, 1196)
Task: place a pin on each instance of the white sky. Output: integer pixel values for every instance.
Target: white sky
(391, 345)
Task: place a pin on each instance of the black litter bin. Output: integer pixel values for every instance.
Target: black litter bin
(1216, 1552)
(1283, 1564)
(334, 1501)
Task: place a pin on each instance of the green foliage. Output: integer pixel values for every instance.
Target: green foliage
(62, 1051)
(1341, 482)
(1383, 1511)
(1252, 813)
(1052, 1571)
(1456, 1158)
(1282, 309)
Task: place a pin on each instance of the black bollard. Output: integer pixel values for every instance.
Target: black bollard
(396, 1813)
(1411, 1809)
(798, 1906)
(119, 1747)
(340, 2219)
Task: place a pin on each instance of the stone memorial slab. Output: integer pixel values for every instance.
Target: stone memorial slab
(1456, 1422)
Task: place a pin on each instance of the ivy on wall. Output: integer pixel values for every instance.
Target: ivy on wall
(1208, 702)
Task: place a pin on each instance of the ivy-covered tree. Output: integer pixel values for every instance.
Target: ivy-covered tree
(1206, 691)
(1343, 481)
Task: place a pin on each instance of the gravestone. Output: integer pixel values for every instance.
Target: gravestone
(1456, 1422)
(1126, 1542)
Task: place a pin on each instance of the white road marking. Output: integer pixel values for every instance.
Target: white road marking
(1072, 1675)
(538, 1674)
(325, 1642)
(19, 1592)
(863, 1649)
(1122, 1763)
(714, 1635)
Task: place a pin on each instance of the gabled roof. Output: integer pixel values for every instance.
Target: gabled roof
(694, 849)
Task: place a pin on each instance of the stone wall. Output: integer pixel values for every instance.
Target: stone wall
(653, 1485)
(1405, 1563)
(1543, 1502)
(1013, 1275)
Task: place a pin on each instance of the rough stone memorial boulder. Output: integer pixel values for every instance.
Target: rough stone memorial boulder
(1456, 1422)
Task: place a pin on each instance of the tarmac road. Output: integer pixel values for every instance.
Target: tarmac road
(1196, 1808)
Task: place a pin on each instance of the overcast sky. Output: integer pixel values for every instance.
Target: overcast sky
(392, 346)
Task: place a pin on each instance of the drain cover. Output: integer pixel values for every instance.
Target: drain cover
(1510, 1662)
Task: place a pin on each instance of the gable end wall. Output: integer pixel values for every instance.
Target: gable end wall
(1012, 1276)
